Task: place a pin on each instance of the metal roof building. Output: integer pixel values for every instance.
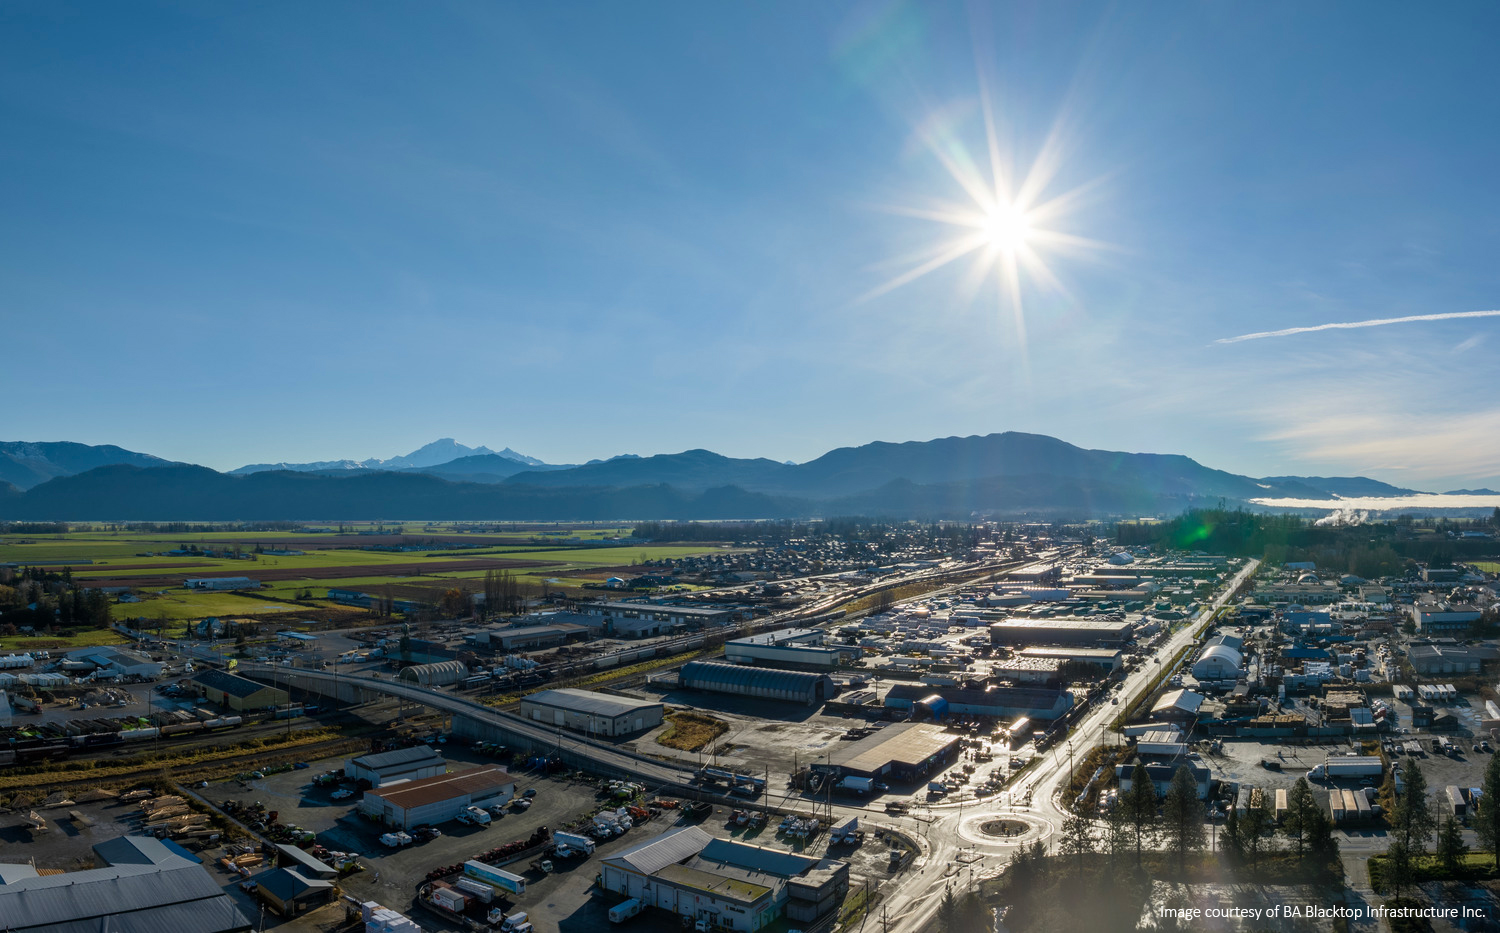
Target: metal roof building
(238, 693)
(402, 764)
(729, 884)
(1000, 702)
(437, 674)
(767, 684)
(1060, 632)
(796, 647)
(149, 889)
(436, 799)
(590, 712)
(905, 751)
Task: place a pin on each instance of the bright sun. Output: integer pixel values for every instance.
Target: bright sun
(1007, 228)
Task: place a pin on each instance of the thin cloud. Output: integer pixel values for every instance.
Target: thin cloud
(1353, 325)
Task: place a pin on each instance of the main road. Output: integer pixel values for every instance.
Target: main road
(955, 850)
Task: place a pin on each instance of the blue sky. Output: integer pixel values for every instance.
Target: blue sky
(309, 231)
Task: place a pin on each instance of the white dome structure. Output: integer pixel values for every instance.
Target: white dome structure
(1122, 558)
(1219, 662)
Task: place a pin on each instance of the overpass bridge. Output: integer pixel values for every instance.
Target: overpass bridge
(481, 723)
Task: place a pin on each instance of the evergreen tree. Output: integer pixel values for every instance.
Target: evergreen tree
(1400, 865)
(1257, 823)
(1140, 805)
(1233, 846)
(1078, 837)
(1300, 807)
(1182, 815)
(1117, 831)
(1413, 822)
(1451, 847)
(1487, 813)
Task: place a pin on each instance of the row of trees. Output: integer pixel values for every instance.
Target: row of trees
(1415, 825)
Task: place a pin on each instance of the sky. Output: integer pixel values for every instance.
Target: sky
(292, 232)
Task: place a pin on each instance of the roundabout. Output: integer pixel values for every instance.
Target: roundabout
(1004, 829)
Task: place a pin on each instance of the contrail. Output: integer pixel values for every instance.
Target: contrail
(1351, 325)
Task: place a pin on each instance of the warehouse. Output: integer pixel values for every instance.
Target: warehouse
(238, 693)
(402, 764)
(727, 885)
(1177, 706)
(289, 893)
(145, 885)
(532, 636)
(798, 648)
(437, 799)
(1060, 632)
(1108, 658)
(1220, 660)
(117, 662)
(767, 684)
(999, 702)
(592, 713)
(437, 674)
(905, 751)
(221, 583)
(649, 619)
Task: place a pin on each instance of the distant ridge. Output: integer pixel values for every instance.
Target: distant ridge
(25, 464)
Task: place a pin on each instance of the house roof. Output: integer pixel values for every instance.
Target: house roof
(293, 857)
(1185, 700)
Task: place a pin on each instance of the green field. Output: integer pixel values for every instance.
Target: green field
(114, 557)
(1488, 566)
(83, 639)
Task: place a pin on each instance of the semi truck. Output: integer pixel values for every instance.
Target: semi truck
(1347, 766)
(575, 841)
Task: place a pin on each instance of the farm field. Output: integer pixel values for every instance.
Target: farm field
(333, 559)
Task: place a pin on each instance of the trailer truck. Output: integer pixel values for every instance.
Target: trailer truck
(496, 877)
(1347, 766)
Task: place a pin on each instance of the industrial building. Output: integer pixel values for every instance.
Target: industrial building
(729, 885)
(402, 764)
(440, 798)
(1177, 706)
(289, 892)
(1161, 774)
(436, 674)
(767, 684)
(1221, 659)
(221, 583)
(999, 702)
(1439, 615)
(531, 637)
(592, 713)
(1108, 658)
(906, 751)
(644, 620)
(144, 885)
(1060, 632)
(238, 693)
(117, 662)
(797, 648)
(1451, 659)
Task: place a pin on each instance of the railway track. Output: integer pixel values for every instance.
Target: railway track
(50, 782)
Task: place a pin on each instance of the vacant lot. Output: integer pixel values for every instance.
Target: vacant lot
(689, 732)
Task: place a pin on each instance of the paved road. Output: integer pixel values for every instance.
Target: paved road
(957, 852)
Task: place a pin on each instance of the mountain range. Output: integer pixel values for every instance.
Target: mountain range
(954, 477)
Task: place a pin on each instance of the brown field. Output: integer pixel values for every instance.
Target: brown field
(266, 575)
(689, 732)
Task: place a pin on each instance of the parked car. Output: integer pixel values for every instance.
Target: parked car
(343, 793)
(529, 792)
